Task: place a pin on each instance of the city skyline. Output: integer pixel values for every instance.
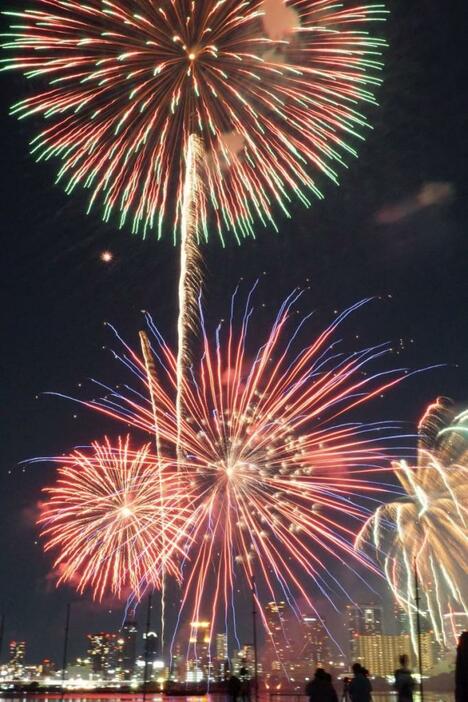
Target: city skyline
(112, 619)
(294, 649)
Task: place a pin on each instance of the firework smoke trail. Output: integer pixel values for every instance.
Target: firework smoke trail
(273, 90)
(151, 373)
(429, 522)
(103, 516)
(275, 474)
(190, 276)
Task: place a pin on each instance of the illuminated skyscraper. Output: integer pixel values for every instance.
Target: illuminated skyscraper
(151, 654)
(429, 651)
(243, 661)
(316, 643)
(102, 651)
(178, 672)
(199, 665)
(17, 655)
(278, 640)
(380, 653)
(401, 619)
(221, 646)
(221, 664)
(364, 619)
(118, 657)
(151, 645)
(129, 653)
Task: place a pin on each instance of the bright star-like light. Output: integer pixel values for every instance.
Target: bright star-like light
(106, 256)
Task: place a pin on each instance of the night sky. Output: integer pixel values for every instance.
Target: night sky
(57, 293)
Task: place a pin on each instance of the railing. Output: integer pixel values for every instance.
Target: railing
(297, 696)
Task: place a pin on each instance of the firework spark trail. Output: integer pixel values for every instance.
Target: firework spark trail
(460, 424)
(130, 81)
(275, 475)
(151, 372)
(190, 277)
(103, 515)
(429, 522)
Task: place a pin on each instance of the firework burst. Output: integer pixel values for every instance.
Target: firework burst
(428, 525)
(274, 477)
(104, 517)
(270, 89)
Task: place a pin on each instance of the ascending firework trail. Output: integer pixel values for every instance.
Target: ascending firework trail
(190, 276)
(150, 371)
(190, 281)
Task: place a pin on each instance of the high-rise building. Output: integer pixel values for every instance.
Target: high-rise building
(129, 634)
(151, 645)
(151, 654)
(16, 660)
(316, 643)
(221, 646)
(296, 646)
(221, 664)
(102, 652)
(364, 619)
(429, 651)
(199, 665)
(247, 657)
(279, 643)
(433, 649)
(401, 619)
(243, 661)
(118, 658)
(178, 672)
(380, 653)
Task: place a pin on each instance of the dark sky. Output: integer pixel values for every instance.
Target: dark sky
(56, 293)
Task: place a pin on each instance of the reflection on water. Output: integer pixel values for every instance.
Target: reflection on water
(151, 697)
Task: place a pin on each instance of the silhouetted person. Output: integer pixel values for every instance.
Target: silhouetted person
(234, 687)
(245, 683)
(461, 669)
(360, 688)
(320, 689)
(345, 693)
(404, 682)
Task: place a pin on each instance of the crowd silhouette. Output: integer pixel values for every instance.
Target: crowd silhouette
(359, 687)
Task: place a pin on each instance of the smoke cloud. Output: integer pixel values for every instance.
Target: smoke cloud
(280, 22)
(433, 194)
